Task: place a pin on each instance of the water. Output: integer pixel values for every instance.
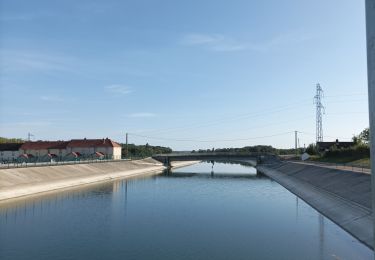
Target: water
(187, 214)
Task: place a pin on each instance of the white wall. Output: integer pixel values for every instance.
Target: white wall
(58, 152)
(109, 152)
(117, 153)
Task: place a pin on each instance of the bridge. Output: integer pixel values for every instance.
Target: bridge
(253, 158)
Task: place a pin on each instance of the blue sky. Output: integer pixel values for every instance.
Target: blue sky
(186, 74)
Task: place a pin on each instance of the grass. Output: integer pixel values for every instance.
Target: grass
(365, 162)
(351, 160)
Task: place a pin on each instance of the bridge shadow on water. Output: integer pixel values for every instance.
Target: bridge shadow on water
(216, 174)
(212, 175)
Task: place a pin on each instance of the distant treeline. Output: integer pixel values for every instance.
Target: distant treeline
(248, 149)
(11, 140)
(141, 151)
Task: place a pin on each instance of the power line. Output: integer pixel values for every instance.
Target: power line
(311, 134)
(347, 95)
(245, 116)
(208, 141)
(228, 119)
(253, 127)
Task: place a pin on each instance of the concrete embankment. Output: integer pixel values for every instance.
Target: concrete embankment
(18, 182)
(342, 196)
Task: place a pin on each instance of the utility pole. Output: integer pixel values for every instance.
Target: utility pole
(295, 142)
(29, 135)
(370, 31)
(126, 147)
(319, 110)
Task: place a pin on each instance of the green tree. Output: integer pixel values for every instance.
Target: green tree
(11, 140)
(364, 136)
(312, 149)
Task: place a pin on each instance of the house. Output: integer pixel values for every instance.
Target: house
(9, 151)
(45, 150)
(324, 146)
(95, 148)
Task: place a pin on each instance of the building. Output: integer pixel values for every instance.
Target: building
(77, 149)
(9, 151)
(95, 148)
(324, 146)
(44, 150)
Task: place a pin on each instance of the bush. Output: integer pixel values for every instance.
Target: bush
(356, 152)
(312, 149)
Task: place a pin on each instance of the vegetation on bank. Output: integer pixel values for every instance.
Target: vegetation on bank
(244, 150)
(356, 155)
(11, 140)
(142, 151)
(250, 149)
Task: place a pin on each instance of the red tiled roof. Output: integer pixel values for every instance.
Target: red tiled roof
(93, 143)
(39, 145)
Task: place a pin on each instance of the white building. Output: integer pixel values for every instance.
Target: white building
(45, 150)
(61, 150)
(96, 148)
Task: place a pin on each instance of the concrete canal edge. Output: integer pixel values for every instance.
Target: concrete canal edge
(21, 182)
(344, 197)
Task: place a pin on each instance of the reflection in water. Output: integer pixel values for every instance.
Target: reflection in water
(197, 212)
(213, 175)
(321, 236)
(297, 209)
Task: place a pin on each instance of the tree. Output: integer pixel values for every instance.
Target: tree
(356, 139)
(364, 136)
(11, 140)
(145, 150)
(311, 149)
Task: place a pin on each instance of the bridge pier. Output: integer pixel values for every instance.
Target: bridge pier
(167, 162)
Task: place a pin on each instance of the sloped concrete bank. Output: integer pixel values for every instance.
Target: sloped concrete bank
(20, 182)
(342, 196)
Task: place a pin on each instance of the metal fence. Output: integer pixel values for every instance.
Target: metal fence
(340, 166)
(36, 163)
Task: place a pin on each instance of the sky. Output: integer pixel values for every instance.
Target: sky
(184, 74)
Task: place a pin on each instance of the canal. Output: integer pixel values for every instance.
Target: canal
(195, 212)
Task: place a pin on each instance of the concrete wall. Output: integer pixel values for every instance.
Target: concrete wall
(19, 182)
(342, 196)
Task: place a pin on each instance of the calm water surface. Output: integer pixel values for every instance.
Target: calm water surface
(190, 213)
